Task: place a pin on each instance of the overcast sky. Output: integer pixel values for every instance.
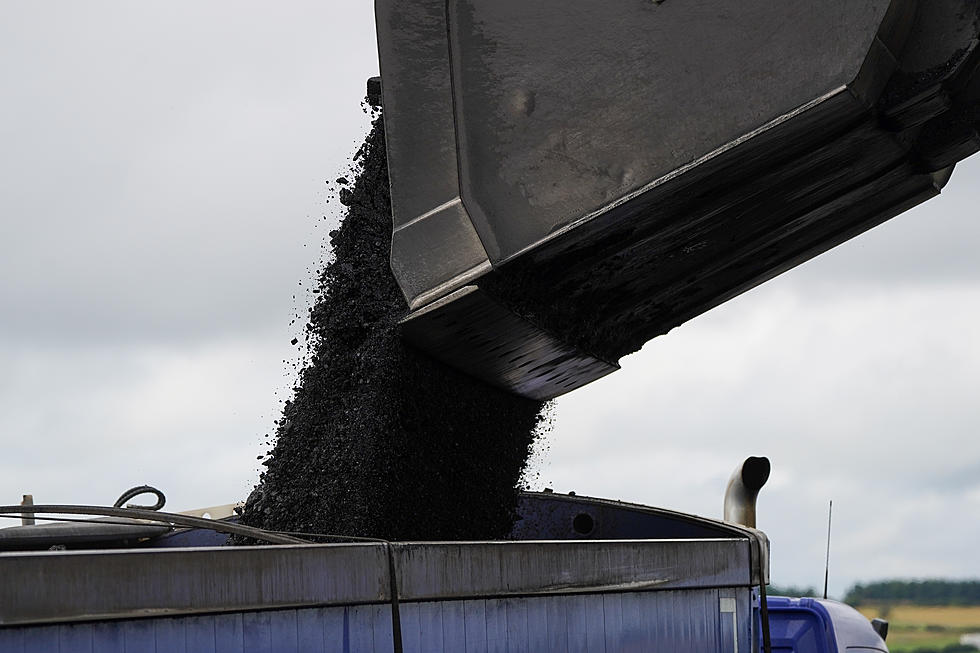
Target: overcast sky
(162, 194)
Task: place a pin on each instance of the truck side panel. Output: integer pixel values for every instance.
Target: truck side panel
(695, 621)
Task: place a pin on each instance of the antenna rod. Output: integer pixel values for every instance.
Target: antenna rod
(826, 569)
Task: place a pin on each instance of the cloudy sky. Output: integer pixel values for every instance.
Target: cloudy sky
(163, 205)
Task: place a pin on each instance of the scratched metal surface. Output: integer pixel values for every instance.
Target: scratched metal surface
(63, 586)
(471, 332)
(557, 118)
(535, 115)
(498, 569)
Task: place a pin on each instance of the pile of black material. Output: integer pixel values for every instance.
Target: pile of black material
(379, 440)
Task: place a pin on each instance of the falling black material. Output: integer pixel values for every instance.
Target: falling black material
(380, 440)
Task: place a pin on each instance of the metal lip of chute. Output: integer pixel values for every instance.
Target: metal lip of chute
(474, 333)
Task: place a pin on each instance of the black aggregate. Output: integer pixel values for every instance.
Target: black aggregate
(380, 440)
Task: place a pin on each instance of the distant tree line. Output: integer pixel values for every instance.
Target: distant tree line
(791, 591)
(919, 592)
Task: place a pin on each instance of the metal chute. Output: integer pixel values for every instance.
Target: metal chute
(570, 179)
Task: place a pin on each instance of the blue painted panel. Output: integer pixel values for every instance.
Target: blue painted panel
(257, 633)
(577, 624)
(557, 623)
(12, 640)
(312, 628)
(664, 621)
(138, 635)
(75, 638)
(748, 608)
(637, 628)
(199, 634)
(612, 613)
(595, 625)
(453, 628)
(282, 631)
(411, 631)
(537, 625)
(475, 626)
(361, 629)
(336, 630)
(42, 640)
(169, 635)
(430, 628)
(496, 616)
(727, 629)
(517, 631)
(383, 635)
(661, 622)
(701, 629)
(229, 634)
(707, 625)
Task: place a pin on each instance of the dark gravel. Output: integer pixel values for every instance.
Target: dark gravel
(379, 440)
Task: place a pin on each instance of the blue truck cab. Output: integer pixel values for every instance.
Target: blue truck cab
(806, 625)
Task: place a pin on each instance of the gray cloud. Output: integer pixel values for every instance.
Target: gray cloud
(164, 165)
(161, 176)
(80, 426)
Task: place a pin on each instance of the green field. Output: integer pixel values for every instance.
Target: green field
(915, 627)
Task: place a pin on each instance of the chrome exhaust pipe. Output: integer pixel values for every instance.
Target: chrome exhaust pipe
(743, 489)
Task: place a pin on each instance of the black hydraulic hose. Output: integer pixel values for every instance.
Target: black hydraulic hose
(764, 611)
(69, 520)
(135, 492)
(396, 620)
(163, 518)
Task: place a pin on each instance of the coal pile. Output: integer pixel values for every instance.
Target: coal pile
(379, 440)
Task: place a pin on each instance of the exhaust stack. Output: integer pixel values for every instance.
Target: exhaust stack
(743, 490)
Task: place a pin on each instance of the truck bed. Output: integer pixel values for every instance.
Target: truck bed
(593, 593)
